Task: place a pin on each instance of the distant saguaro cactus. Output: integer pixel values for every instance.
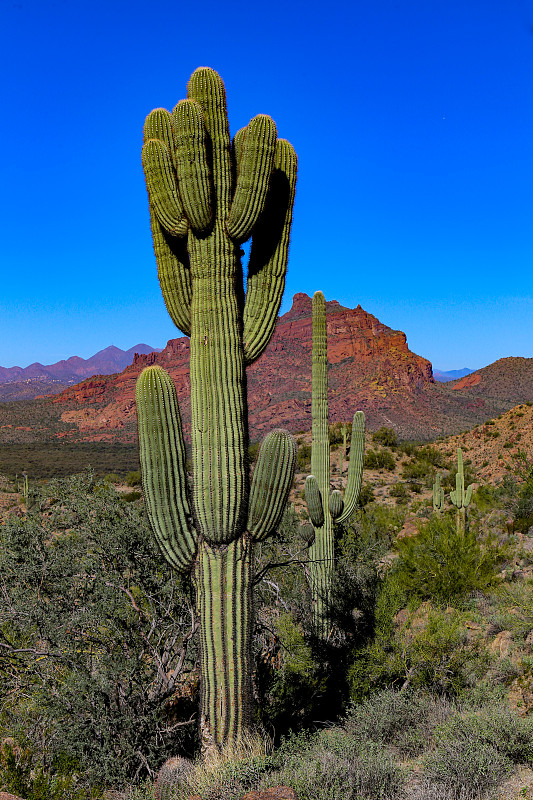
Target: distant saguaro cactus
(438, 495)
(327, 507)
(459, 497)
(207, 195)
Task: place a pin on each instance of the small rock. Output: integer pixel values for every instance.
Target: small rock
(7, 796)
(501, 643)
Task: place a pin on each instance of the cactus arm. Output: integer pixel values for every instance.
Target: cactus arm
(192, 164)
(174, 276)
(162, 454)
(171, 253)
(336, 504)
(207, 88)
(162, 187)
(355, 466)
(269, 254)
(271, 483)
(313, 498)
(255, 163)
(468, 495)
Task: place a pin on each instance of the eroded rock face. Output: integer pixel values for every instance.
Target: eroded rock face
(370, 368)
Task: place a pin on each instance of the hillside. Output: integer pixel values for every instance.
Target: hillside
(370, 368)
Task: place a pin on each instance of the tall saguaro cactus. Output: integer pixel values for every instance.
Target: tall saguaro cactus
(459, 496)
(207, 195)
(325, 507)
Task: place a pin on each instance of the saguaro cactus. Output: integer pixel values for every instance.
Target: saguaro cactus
(207, 195)
(459, 497)
(327, 507)
(438, 495)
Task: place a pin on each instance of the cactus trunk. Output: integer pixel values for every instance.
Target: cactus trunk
(326, 507)
(218, 418)
(224, 596)
(322, 551)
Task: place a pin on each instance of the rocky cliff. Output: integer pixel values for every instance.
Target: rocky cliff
(370, 368)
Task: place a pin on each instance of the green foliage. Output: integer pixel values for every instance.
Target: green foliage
(442, 564)
(22, 774)
(379, 459)
(405, 720)
(90, 612)
(303, 457)
(332, 764)
(400, 491)
(385, 436)
(133, 478)
(467, 766)
(495, 725)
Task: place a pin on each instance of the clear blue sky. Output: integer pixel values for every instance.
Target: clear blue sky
(412, 120)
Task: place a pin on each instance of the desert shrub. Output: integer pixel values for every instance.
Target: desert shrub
(379, 459)
(467, 765)
(130, 497)
(495, 725)
(425, 649)
(400, 492)
(303, 457)
(91, 610)
(385, 436)
(442, 565)
(336, 432)
(133, 478)
(253, 451)
(22, 774)
(366, 495)
(332, 764)
(404, 720)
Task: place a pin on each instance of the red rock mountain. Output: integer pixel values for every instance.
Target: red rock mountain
(370, 368)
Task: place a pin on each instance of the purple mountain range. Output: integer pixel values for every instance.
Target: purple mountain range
(105, 362)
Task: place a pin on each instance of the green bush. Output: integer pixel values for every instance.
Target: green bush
(379, 459)
(467, 766)
(403, 720)
(303, 457)
(332, 764)
(494, 725)
(400, 492)
(90, 611)
(385, 436)
(442, 565)
(133, 478)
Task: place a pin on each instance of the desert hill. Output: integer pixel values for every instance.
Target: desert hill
(370, 368)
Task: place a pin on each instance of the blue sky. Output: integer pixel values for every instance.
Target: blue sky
(412, 120)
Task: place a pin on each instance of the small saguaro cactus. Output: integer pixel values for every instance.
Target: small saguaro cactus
(326, 507)
(207, 195)
(459, 497)
(438, 495)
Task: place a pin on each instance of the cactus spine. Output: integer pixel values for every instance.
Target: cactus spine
(459, 497)
(325, 507)
(206, 197)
